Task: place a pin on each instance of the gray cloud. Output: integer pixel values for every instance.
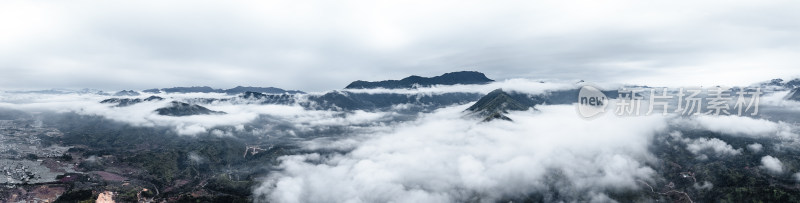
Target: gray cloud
(321, 46)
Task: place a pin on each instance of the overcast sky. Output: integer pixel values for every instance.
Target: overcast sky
(317, 46)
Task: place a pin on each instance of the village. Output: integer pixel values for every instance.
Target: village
(25, 158)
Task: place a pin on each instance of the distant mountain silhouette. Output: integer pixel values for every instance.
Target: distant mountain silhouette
(123, 102)
(203, 89)
(268, 90)
(463, 77)
(64, 91)
(126, 93)
(346, 100)
(791, 84)
(285, 99)
(235, 90)
(774, 82)
(154, 91)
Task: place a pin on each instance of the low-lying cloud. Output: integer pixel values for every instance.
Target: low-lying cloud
(143, 114)
(550, 153)
(772, 164)
(241, 111)
(717, 146)
(700, 146)
(422, 161)
(755, 147)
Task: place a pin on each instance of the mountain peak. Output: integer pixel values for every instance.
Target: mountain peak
(453, 78)
(793, 95)
(177, 108)
(126, 93)
(498, 102)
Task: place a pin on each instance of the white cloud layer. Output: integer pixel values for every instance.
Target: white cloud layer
(771, 164)
(422, 161)
(240, 111)
(717, 146)
(741, 126)
(701, 146)
(755, 147)
(737, 125)
(143, 114)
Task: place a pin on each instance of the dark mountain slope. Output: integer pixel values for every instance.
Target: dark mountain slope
(123, 102)
(126, 93)
(463, 77)
(793, 95)
(183, 109)
(235, 90)
(498, 103)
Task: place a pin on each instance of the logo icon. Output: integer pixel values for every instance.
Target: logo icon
(591, 101)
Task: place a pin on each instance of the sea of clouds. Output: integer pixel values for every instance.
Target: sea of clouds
(445, 156)
(240, 112)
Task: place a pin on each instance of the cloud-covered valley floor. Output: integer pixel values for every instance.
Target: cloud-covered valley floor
(545, 155)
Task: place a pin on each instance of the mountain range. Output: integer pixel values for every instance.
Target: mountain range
(235, 90)
(494, 105)
(780, 82)
(453, 78)
(123, 102)
(497, 101)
